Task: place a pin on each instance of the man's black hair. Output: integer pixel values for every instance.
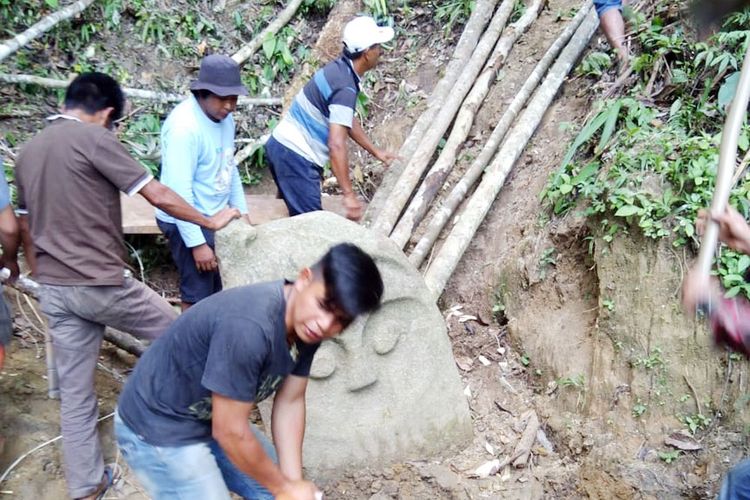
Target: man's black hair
(93, 92)
(353, 56)
(352, 280)
(201, 93)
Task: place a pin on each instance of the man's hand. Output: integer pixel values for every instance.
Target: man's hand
(246, 218)
(733, 229)
(223, 217)
(12, 265)
(298, 490)
(699, 290)
(353, 206)
(387, 157)
(205, 259)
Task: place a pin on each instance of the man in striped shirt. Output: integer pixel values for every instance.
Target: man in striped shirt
(315, 128)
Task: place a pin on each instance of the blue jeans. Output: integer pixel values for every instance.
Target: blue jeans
(194, 285)
(198, 471)
(736, 484)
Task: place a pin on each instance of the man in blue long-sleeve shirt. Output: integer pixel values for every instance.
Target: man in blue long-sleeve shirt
(197, 142)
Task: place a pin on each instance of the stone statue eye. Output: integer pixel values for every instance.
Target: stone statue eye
(384, 329)
(325, 360)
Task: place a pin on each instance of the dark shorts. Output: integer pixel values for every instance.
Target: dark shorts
(194, 285)
(297, 178)
(603, 6)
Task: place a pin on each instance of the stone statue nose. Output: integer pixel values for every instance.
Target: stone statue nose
(363, 374)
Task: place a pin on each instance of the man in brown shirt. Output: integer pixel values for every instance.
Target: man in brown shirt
(69, 178)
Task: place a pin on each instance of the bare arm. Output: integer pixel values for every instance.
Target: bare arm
(10, 236)
(28, 244)
(232, 431)
(339, 155)
(164, 198)
(288, 424)
(357, 133)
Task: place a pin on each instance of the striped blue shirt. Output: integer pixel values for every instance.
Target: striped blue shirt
(329, 97)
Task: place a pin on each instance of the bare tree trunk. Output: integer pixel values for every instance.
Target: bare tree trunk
(457, 195)
(414, 169)
(461, 127)
(247, 51)
(132, 93)
(466, 44)
(443, 265)
(124, 341)
(18, 41)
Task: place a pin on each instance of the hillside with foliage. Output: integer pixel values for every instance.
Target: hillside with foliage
(645, 161)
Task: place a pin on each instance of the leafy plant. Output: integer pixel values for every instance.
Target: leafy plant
(453, 12)
(142, 138)
(653, 361)
(577, 381)
(639, 408)
(316, 6)
(547, 259)
(594, 64)
(696, 422)
(669, 456)
(519, 8)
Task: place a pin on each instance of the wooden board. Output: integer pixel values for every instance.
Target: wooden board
(138, 214)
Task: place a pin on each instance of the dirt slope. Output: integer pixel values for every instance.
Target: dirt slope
(545, 328)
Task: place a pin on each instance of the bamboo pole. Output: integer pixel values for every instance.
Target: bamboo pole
(247, 51)
(445, 262)
(460, 190)
(727, 159)
(414, 169)
(461, 127)
(149, 95)
(479, 18)
(38, 29)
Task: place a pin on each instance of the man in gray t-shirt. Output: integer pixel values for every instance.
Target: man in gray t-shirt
(182, 421)
(68, 179)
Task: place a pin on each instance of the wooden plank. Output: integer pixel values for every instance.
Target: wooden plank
(138, 214)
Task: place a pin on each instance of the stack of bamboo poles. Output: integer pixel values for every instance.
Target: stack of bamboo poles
(400, 206)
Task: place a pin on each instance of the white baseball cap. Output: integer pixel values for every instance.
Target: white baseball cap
(363, 32)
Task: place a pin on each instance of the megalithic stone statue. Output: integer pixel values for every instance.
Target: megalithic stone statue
(387, 389)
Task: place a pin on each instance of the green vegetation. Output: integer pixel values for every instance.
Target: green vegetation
(548, 258)
(577, 381)
(594, 64)
(654, 360)
(669, 456)
(452, 13)
(645, 163)
(639, 408)
(178, 32)
(696, 422)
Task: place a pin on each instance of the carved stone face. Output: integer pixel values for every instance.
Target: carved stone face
(384, 390)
